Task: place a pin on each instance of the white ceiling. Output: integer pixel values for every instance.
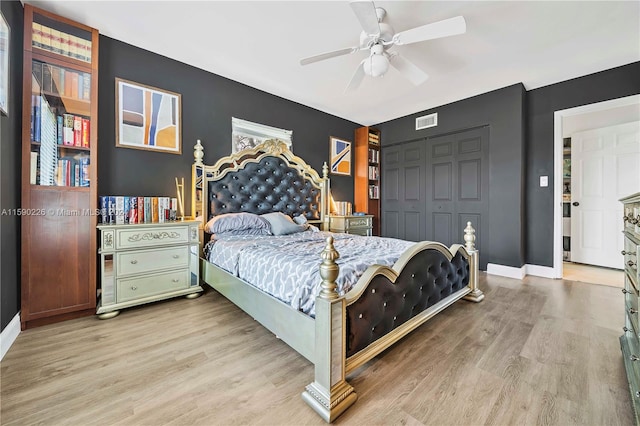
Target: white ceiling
(260, 44)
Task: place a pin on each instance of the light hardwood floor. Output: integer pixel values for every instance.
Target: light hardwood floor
(593, 274)
(534, 352)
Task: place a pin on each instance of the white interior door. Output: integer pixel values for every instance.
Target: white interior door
(605, 166)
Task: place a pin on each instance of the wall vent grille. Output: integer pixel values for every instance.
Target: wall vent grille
(427, 121)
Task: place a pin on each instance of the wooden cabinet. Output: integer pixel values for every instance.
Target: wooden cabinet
(59, 180)
(367, 174)
(145, 263)
(359, 225)
(630, 340)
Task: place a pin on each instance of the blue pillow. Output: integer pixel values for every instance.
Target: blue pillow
(281, 224)
(237, 222)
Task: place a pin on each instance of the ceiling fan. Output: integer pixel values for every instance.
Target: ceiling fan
(377, 37)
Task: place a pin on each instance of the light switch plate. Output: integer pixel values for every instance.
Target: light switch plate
(544, 181)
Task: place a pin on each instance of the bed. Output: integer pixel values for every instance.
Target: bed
(345, 298)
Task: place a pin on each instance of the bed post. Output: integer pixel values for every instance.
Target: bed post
(476, 295)
(326, 194)
(330, 394)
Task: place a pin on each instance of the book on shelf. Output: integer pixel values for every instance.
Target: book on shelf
(154, 210)
(36, 34)
(55, 41)
(77, 130)
(147, 210)
(67, 131)
(374, 192)
(140, 209)
(33, 177)
(85, 132)
(133, 210)
(119, 210)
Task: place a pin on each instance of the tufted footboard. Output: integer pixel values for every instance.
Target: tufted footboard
(385, 305)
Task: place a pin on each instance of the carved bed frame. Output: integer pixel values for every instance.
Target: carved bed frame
(384, 305)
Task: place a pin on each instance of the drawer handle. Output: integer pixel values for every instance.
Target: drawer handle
(633, 311)
(175, 256)
(175, 280)
(633, 358)
(625, 329)
(133, 262)
(637, 394)
(631, 263)
(133, 287)
(630, 253)
(633, 221)
(625, 291)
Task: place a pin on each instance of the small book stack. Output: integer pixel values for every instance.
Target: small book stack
(120, 210)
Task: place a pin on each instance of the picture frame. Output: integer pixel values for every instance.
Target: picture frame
(148, 118)
(246, 134)
(5, 32)
(340, 156)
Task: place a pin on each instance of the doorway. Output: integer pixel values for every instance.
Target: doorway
(566, 122)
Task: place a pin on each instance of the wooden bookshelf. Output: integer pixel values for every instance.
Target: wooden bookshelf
(59, 175)
(367, 174)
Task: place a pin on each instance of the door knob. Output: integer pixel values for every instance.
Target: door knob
(575, 203)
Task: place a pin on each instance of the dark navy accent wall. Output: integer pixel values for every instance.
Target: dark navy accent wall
(503, 111)
(208, 104)
(10, 157)
(541, 105)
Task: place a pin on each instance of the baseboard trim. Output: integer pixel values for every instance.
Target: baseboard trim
(9, 335)
(541, 271)
(506, 271)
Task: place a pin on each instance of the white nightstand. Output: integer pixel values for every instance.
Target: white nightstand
(359, 225)
(147, 262)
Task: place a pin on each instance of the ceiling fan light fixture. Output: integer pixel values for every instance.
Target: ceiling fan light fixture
(376, 65)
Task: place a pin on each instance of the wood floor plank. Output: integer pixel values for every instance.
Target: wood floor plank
(535, 351)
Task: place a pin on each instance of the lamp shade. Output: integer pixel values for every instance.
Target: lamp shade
(376, 65)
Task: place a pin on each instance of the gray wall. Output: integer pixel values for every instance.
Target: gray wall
(208, 103)
(10, 143)
(503, 111)
(541, 104)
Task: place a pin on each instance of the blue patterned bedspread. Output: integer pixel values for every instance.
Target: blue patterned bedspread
(287, 266)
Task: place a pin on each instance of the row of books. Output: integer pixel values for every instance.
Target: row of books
(374, 156)
(65, 171)
(69, 129)
(374, 138)
(62, 81)
(60, 42)
(374, 172)
(120, 210)
(374, 192)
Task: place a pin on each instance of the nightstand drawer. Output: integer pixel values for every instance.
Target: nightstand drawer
(135, 262)
(136, 288)
(360, 225)
(152, 236)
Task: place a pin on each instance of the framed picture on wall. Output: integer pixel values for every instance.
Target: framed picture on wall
(4, 66)
(340, 155)
(246, 135)
(148, 118)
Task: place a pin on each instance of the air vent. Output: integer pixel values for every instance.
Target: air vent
(427, 121)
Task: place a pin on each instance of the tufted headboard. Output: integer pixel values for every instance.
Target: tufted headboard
(267, 178)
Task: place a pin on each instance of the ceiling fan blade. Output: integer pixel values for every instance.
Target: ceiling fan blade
(357, 77)
(448, 27)
(366, 13)
(327, 55)
(408, 69)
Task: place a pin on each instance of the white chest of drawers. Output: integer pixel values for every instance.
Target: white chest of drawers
(360, 225)
(630, 340)
(145, 263)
